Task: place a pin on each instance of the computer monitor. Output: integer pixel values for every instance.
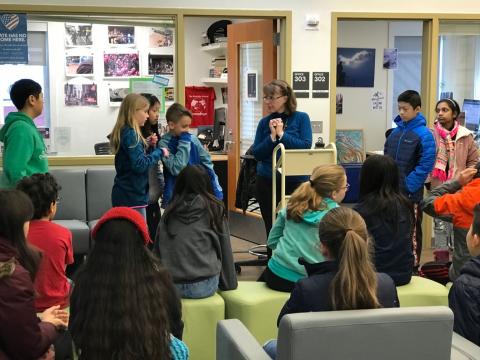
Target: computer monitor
(471, 108)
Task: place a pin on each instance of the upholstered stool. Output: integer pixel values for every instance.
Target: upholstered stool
(449, 285)
(422, 292)
(256, 306)
(200, 317)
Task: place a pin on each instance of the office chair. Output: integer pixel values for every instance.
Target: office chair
(102, 148)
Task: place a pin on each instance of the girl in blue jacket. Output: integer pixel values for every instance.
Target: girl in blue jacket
(134, 154)
(295, 232)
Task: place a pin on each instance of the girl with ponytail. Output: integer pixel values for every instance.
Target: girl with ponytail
(295, 232)
(347, 279)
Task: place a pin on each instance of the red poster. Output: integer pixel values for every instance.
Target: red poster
(200, 100)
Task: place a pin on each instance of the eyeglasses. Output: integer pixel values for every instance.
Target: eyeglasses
(346, 187)
(271, 98)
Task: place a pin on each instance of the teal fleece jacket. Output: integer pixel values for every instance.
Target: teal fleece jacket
(291, 240)
(24, 151)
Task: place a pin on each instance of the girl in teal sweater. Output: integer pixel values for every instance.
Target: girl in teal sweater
(295, 232)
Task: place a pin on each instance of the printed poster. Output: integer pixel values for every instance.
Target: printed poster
(13, 39)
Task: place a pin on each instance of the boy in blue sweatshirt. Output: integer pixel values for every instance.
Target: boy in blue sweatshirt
(185, 149)
(412, 146)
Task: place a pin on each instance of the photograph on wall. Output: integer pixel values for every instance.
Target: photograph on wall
(80, 94)
(446, 95)
(78, 34)
(161, 37)
(355, 67)
(252, 85)
(121, 35)
(147, 86)
(160, 64)
(117, 94)
(121, 65)
(79, 65)
(339, 103)
(169, 94)
(390, 59)
(350, 146)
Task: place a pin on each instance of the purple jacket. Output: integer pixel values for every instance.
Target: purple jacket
(22, 334)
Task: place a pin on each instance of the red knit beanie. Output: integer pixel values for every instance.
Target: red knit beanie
(128, 214)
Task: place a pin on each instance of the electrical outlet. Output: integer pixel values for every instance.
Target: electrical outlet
(317, 127)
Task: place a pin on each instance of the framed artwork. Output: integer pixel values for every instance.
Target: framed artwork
(355, 67)
(350, 146)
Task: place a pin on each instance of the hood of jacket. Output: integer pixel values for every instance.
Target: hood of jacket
(472, 267)
(319, 268)
(7, 251)
(191, 209)
(417, 121)
(12, 118)
(313, 217)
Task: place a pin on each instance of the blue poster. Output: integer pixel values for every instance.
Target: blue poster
(13, 39)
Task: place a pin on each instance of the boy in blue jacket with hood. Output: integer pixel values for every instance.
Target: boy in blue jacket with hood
(412, 146)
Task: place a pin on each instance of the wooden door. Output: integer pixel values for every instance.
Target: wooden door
(240, 35)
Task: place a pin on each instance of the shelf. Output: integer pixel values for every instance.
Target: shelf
(216, 49)
(209, 80)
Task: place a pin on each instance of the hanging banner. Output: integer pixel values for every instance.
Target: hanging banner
(13, 39)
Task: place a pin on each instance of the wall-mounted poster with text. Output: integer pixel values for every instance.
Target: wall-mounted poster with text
(13, 39)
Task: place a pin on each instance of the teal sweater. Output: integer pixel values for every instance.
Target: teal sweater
(178, 349)
(291, 240)
(24, 150)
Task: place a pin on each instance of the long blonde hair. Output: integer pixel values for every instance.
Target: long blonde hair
(344, 233)
(130, 104)
(311, 194)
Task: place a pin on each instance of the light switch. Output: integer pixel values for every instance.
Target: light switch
(317, 127)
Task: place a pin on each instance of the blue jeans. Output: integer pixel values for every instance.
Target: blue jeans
(200, 289)
(270, 348)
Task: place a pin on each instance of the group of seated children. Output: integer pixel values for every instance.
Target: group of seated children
(125, 302)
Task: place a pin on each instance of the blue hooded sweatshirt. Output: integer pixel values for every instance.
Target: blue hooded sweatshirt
(412, 146)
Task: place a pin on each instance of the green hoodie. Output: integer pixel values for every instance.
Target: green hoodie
(291, 240)
(23, 151)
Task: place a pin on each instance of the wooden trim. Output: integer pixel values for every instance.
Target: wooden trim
(333, 78)
(180, 59)
(81, 160)
(286, 54)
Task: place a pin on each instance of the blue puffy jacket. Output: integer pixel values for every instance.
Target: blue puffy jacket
(412, 146)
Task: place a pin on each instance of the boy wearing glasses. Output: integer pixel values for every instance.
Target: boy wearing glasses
(412, 146)
(53, 240)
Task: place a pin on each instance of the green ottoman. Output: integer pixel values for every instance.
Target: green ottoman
(256, 306)
(449, 285)
(200, 317)
(422, 292)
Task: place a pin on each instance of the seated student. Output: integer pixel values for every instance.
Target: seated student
(124, 304)
(193, 237)
(454, 200)
(347, 279)
(23, 335)
(464, 296)
(389, 217)
(295, 232)
(185, 149)
(53, 240)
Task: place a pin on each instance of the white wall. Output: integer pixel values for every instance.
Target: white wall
(310, 49)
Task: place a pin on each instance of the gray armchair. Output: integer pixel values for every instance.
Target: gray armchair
(398, 333)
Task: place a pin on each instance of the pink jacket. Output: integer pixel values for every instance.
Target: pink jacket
(466, 151)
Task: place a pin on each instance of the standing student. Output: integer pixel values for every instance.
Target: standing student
(412, 146)
(464, 296)
(53, 240)
(456, 150)
(23, 335)
(124, 304)
(185, 149)
(456, 199)
(389, 217)
(134, 156)
(193, 237)
(155, 175)
(347, 279)
(283, 125)
(295, 232)
(24, 151)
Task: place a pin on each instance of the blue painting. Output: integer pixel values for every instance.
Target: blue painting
(350, 146)
(355, 67)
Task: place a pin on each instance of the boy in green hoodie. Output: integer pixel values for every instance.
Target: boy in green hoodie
(24, 152)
